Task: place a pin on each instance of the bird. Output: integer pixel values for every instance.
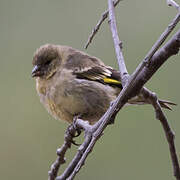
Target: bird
(72, 83)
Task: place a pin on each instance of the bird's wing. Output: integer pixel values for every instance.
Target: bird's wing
(99, 73)
(92, 68)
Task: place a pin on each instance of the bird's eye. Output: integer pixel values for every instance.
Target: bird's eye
(47, 62)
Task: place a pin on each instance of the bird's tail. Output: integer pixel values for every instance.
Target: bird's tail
(166, 104)
(140, 101)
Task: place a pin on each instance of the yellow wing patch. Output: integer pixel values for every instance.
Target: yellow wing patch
(111, 81)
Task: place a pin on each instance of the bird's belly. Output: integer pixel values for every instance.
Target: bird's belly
(56, 108)
(50, 102)
(87, 100)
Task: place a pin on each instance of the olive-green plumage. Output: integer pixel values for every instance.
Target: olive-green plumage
(70, 82)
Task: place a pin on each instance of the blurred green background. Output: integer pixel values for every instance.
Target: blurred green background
(133, 148)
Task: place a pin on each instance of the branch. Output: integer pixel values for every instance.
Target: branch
(117, 44)
(160, 57)
(169, 49)
(96, 28)
(72, 170)
(174, 43)
(170, 136)
(155, 47)
(83, 151)
(153, 61)
(173, 4)
(68, 139)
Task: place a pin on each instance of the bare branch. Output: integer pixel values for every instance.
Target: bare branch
(153, 61)
(173, 4)
(164, 53)
(155, 47)
(68, 139)
(169, 49)
(96, 28)
(161, 56)
(71, 170)
(117, 44)
(83, 151)
(167, 129)
(83, 158)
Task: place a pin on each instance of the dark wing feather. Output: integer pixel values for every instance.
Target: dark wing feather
(92, 68)
(100, 74)
(93, 73)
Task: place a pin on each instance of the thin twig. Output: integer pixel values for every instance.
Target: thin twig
(83, 158)
(117, 44)
(78, 160)
(155, 47)
(167, 130)
(169, 49)
(68, 139)
(70, 171)
(173, 4)
(96, 28)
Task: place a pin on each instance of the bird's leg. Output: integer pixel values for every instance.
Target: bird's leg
(71, 132)
(78, 130)
(77, 126)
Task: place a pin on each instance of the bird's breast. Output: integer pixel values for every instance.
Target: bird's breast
(40, 87)
(53, 100)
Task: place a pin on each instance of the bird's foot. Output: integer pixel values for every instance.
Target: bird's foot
(73, 132)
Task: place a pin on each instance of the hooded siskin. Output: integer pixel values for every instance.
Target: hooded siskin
(70, 83)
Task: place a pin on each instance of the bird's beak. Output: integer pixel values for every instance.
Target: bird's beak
(36, 71)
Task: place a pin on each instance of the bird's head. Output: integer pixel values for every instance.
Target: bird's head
(46, 61)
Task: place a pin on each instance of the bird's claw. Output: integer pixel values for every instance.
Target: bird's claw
(74, 132)
(74, 142)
